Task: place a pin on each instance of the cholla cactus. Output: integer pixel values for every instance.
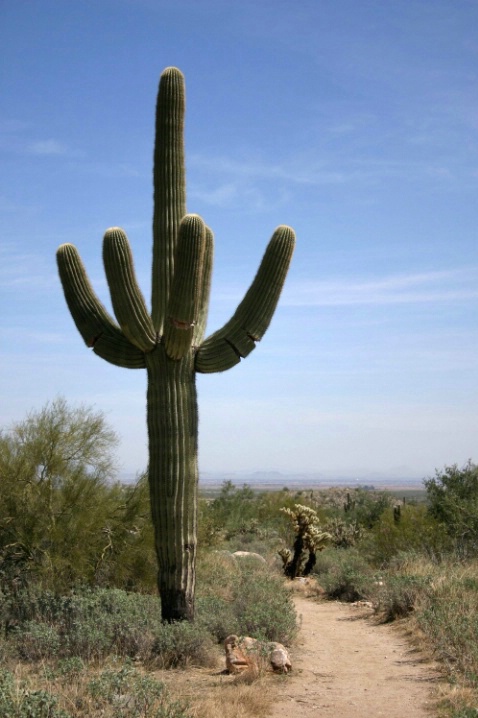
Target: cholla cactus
(343, 534)
(309, 539)
(169, 341)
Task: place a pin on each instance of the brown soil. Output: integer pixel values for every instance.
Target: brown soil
(346, 665)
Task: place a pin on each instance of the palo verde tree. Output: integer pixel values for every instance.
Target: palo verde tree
(56, 468)
(169, 341)
(452, 496)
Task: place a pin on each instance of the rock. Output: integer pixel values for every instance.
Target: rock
(279, 658)
(250, 555)
(246, 653)
(236, 659)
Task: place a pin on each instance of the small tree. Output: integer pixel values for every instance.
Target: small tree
(453, 501)
(309, 538)
(55, 469)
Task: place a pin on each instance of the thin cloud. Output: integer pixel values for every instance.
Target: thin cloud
(426, 287)
(219, 197)
(47, 147)
(430, 287)
(307, 171)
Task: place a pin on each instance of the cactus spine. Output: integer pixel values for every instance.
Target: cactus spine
(169, 342)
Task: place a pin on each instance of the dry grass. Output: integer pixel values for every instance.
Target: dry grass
(307, 587)
(444, 624)
(236, 698)
(213, 694)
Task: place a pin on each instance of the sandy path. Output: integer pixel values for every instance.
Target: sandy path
(347, 667)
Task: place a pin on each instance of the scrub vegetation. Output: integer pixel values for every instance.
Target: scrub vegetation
(80, 631)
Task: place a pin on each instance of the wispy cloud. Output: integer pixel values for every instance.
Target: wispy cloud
(235, 177)
(22, 138)
(431, 287)
(47, 147)
(20, 270)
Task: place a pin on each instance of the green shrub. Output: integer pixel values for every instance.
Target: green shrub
(343, 534)
(217, 617)
(264, 607)
(35, 641)
(133, 695)
(415, 531)
(89, 624)
(396, 596)
(448, 615)
(181, 644)
(122, 692)
(453, 501)
(20, 702)
(344, 574)
(250, 599)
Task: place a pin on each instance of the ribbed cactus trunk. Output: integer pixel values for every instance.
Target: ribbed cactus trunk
(173, 477)
(169, 341)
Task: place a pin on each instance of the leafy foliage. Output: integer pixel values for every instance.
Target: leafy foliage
(243, 597)
(453, 501)
(415, 530)
(344, 574)
(63, 520)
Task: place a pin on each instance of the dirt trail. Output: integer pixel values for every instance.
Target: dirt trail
(345, 666)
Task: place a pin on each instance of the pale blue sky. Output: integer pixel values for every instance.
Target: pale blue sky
(353, 121)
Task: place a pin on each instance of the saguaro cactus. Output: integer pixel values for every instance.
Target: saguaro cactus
(169, 343)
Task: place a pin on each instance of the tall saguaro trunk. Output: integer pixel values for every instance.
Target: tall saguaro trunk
(169, 341)
(173, 477)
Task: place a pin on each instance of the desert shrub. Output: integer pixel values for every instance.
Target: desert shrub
(343, 534)
(88, 624)
(415, 530)
(217, 616)
(117, 692)
(364, 508)
(91, 624)
(233, 510)
(449, 617)
(360, 506)
(396, 596)
(248, 597)
(217, 573)
(453, 501)
(55, 466)
(66, 669)
(181, 644)
(263, 606)
(17, 701)
(243, 519)
(344, 574)
(35, 641)
(132, 694)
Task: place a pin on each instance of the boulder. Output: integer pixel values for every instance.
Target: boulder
(236, 659)
(279, 658)
(249, 555)
(246, 653)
